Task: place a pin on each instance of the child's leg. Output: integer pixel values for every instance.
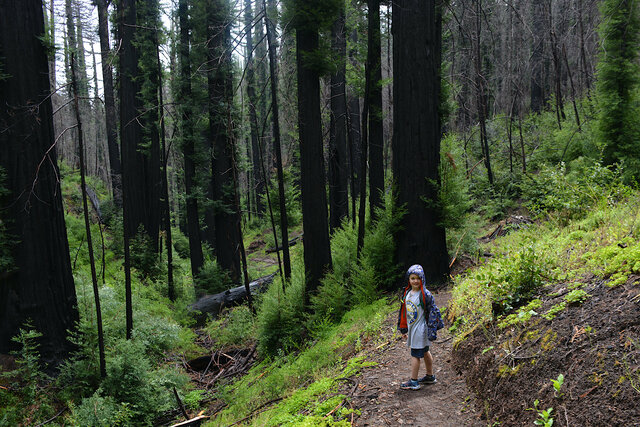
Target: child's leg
(415, 367)
(428, 363)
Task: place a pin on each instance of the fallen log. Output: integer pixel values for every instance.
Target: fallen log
(213, 304)
(279, 248)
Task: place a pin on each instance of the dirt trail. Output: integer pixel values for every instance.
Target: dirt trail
(377, 393)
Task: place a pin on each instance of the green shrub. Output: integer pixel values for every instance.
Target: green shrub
(132, 381)
(455, 200)
(571, 195)
(98, 411)
(156, 334)
(236, 328)
(378, 250)
(144, 258)
(292, 200)
(26, 399)
(523, 274)
(280, 318)
(180, 243)
(212, 279)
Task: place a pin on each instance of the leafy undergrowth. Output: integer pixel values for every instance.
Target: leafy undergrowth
(548, 327)
(301, 388)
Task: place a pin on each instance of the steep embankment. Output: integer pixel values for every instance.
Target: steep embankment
(575, 345)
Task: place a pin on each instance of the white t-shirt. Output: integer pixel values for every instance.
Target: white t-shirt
(416, 322)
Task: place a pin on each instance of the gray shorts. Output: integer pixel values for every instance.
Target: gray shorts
(419, 352)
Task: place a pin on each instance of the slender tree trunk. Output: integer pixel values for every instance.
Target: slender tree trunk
(188, 141)
(376, 135)
(363, 162)
(165, 186)
(317, 253)
(338, 192)
(557, 65)
(39, 286)
(92, 263)
(481, 96)
(573, 91)
(353, 107)
(109, 103)
(416, 136)
(536, 60)
(275, 114)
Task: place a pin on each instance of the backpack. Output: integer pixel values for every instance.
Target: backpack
(434, 321)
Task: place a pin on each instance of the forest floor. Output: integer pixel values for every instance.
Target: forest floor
(376, 391)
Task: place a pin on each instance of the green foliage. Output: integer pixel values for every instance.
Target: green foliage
(618, 83)
(544, 415)
(212, 279)
(378, 250)
(291, 200)
(522, 275)
(569, 195)
(98, 411)
(454, 194)
(551, 313)
(132, 381)
(301, 378)
(358, 281)
(523, 315)
(557, 385)
(236, 328)
(144, 258)
(576, 297)
(25, 399)
(180, 243)
(280, 317)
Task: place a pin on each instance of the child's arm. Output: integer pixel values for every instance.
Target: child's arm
(402, 320)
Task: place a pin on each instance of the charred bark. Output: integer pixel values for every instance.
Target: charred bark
(416, 136)
(40, 286)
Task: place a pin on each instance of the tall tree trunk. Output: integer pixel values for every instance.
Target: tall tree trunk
(376, 136)
(258, 182)
(148, 149)
(40, 285)
(223, 183)
(92, 263)
(188, 141)
(275, 114)
(338, 179)
(109, 103)
(130, 134)
(416, 136)
(317, 253)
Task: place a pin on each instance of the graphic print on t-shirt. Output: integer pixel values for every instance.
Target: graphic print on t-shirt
(412, 312)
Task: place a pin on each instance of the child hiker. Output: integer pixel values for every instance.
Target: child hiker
(418, 321)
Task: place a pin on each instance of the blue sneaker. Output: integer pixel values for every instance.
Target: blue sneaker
(428, 379)
(411, 385)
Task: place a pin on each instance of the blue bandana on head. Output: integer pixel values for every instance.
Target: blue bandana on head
(416, 269)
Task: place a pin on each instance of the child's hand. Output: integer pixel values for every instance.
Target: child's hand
(404, 336)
